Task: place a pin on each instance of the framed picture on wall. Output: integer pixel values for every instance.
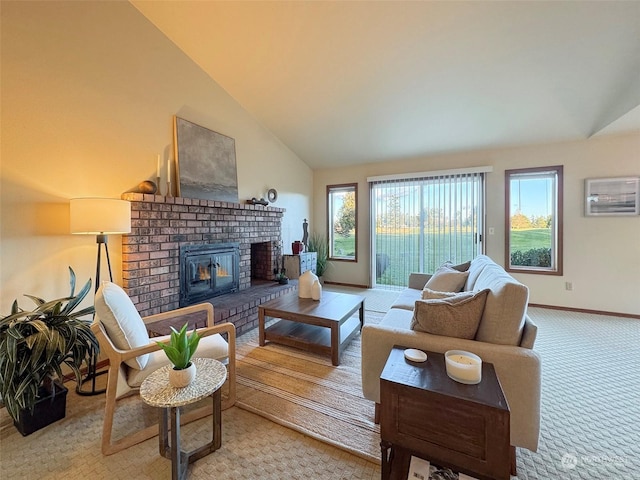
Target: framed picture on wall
(612, 196)
(206, 163)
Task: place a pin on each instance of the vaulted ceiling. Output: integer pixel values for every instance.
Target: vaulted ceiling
(355, 82)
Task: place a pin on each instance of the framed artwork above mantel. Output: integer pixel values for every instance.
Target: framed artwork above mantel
(206, 163)
(618, 196)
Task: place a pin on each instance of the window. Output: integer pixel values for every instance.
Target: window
(421, 220)
(533, 220)
(342, 212)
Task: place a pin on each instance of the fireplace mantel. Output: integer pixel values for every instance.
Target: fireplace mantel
(160, 225)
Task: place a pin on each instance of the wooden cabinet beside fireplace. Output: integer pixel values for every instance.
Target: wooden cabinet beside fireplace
(296, 265)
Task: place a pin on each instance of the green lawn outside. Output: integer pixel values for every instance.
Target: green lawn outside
(403, 254)
(437, 250)
(524, 240)
(344, 246)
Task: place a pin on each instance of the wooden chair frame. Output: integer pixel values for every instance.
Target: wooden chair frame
(117, 357)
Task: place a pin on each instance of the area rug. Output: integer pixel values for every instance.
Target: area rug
(304, 392)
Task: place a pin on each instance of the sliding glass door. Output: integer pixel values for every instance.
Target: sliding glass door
(419, 223)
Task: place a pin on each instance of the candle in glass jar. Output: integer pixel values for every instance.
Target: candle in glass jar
(158, 167)
(463, 367)
(168, 170)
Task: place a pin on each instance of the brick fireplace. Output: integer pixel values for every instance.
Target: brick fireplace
(161, 226)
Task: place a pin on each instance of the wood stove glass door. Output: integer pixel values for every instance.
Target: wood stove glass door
(201, 274)
(224, 270)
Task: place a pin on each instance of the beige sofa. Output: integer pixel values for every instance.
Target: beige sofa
(505, 338)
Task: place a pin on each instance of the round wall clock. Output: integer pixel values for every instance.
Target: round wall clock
(272, 195)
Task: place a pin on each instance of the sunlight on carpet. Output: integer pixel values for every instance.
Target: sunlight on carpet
(305, 392)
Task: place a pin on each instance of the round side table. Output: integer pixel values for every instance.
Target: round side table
(156, 391)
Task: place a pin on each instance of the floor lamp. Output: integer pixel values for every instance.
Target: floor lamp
(100, 217)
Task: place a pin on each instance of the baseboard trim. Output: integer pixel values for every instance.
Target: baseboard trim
(585, 310)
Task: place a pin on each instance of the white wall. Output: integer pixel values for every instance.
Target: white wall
(89, 90)
(601, 254)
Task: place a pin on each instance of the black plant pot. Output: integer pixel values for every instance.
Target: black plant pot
(49, 408)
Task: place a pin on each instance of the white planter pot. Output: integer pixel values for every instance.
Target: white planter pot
(182, 378)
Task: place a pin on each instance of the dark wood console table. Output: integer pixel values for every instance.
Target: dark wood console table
(426, 414)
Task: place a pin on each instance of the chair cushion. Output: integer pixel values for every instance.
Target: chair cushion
(122, 321)
(211, 346)
(455, 316)
(447, 279)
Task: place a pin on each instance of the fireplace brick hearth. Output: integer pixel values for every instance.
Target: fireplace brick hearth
(161, 225)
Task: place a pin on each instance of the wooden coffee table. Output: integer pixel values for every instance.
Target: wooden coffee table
(324, 326)
(427, 414)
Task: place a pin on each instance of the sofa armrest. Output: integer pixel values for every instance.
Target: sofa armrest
(418, 280)
(518, 369)
(529, 333)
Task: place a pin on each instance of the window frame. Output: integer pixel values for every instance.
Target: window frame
(330, 190)
(557, 247)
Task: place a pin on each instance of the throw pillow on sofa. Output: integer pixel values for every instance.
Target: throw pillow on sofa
(456, 316)
(463, 267)
(429, 294)
(446, 279)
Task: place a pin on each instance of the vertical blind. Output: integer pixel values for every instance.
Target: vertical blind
(419, 223)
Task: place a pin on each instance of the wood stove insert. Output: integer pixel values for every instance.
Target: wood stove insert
(208, 270)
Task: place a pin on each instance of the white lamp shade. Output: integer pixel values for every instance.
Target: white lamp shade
(100, 216)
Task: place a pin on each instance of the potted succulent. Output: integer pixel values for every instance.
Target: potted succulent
(318, 243)
(179, 351)
(34, 344)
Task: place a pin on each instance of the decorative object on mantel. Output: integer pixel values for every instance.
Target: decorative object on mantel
(206, 163)
(169, 191)
(272, 195)
(179, 351)
(305, 284)
(147, 186)
(158, 174)
(255, 201)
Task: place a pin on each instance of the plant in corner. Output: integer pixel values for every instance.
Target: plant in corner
(34, 344)
(318, 243)
(179, 351)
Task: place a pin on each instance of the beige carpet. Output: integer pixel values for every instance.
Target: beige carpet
(590, 396)
(303, 391)
(589, 429)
